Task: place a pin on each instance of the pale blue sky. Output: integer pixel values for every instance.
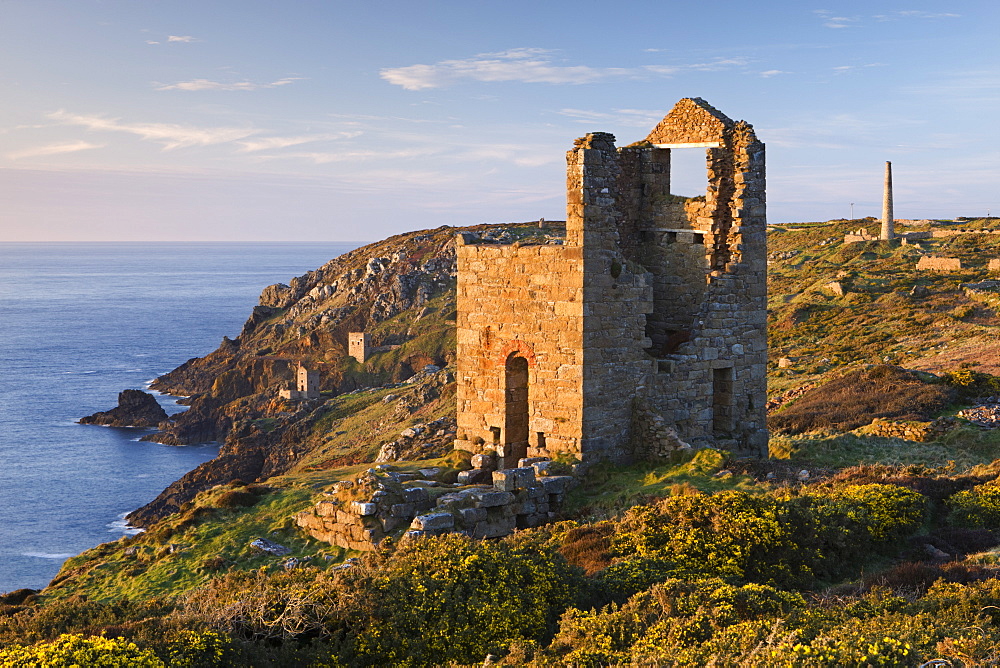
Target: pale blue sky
(310, 120)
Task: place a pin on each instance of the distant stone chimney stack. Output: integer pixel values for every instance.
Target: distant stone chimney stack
(887, 230)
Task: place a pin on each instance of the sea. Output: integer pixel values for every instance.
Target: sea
(79, 322)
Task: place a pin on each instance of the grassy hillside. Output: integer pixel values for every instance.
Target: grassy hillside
(871, 536)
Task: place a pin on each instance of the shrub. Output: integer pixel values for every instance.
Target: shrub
(70, 651)
(236, 498)
(664, 619)
(785, 542)
(455, 599)
(977, 508)
(972, 384)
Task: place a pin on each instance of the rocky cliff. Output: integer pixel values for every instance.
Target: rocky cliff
(400, 291)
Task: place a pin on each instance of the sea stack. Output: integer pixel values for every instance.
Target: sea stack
(887, 231)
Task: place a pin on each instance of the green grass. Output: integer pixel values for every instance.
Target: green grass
(108, 572)
(608, 489)
(964, 447)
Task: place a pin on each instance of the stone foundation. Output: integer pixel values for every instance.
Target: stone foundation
(927, 263)
(383, 503)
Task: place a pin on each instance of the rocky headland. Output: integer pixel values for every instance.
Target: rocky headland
(400, 291)
(135, 409)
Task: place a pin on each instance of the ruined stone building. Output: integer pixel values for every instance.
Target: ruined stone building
(645, 327)
(306, 385)
(359, 346)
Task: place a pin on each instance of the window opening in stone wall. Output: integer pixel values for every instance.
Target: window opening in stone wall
(688, 172)
(515, 437)
(722, 401)
(540, 439)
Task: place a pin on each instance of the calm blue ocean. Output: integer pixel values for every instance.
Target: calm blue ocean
(78, 323)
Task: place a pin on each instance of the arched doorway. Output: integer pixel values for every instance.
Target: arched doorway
(515, 433)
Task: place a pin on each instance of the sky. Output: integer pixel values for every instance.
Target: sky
(310, 120)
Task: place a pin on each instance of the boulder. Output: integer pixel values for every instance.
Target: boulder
(268, 547)
(135, 409)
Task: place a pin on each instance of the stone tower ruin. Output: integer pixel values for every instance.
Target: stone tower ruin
(358, 346)
(645, 329)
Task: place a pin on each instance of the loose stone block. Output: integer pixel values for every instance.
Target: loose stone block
(403, 510)
(474, 477)
(471, 516)
(556, 484)
(509, 480)
(415, 495)
(363, 509)
(493, 499)
(433, 521)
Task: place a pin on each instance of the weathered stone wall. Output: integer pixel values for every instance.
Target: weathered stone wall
(939, 264)
(651, 297)
(860, 235)
(616, 295)
(520, 301)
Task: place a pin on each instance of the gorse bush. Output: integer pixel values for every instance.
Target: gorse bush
(786, 542)
(449, 598)
(453, 598)
(75, 651)
(972, 384)
(977, 508)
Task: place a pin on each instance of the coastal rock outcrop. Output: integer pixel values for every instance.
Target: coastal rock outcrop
(135, 409)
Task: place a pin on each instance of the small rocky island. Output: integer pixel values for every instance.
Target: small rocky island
(135, 409)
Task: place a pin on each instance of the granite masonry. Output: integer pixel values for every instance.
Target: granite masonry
(644, 331)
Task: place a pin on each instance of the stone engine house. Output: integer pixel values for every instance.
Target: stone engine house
(645, 329)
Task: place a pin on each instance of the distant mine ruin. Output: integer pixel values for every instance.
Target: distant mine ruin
(306, 385)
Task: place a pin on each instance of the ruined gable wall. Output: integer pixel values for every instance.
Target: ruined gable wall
(714, 387)
(528, 300)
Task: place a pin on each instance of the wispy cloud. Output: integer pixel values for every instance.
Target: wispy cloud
(531, 65)
(170, 135)
(181, 38)
(831, 20)
(639, 118)
(767, 74)
(527, 65)
(972, 87)
(53, 149)
(324, 157)
(273, 143)
(207, 84)
(717, 65)
(915, 14)
(844, 69)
